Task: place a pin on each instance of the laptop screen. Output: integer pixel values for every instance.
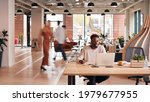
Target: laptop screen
(105, 59)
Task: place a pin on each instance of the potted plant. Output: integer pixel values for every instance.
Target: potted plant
(121, 41)
(137, 61)
(3, 40)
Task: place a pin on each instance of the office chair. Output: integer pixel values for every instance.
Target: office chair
(146, 79)
(67, 46)
(131, 51)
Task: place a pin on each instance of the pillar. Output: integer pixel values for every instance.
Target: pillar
(37, 23)
(7, 9)
(127, 23)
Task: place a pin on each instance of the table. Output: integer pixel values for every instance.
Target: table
(73, 69)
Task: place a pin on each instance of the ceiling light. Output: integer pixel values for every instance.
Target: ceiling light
(69, 14)
(60, 4)
(103, 14)
(90, 4)
(19, 11)
(53, 14)
(46, 11)
(106, 10)
(89, 10)
(88, 14)
(114, 4)
(66, 10)
(34, 5)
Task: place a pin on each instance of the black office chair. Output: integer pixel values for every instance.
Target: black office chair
(131, 51)
(146, 79)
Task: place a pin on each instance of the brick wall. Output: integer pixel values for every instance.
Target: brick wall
(118, 26)
(18, 25)
(68, 21)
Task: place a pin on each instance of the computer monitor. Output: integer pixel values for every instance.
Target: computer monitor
(105, 59)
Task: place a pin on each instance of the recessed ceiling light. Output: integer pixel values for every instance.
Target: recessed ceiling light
(69, 14)
(89, 10)
(53, 14)
(60, 4)
(90, 4)
(46, 11)
(88, 14)
(103, 14)
(114, 4)
(19, 11)
(66, 10)
(34, 5)
(106, 10)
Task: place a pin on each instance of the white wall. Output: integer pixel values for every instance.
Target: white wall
(24, 30)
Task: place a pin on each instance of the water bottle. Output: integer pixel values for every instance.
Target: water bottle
(145, 62)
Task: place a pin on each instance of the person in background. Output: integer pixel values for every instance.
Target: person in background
(87, 56)
(60, 37)
(47, 37)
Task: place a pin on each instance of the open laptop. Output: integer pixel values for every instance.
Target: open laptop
(105, 59)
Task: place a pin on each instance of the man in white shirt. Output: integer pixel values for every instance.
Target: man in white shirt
(60, 36)
(87, 56)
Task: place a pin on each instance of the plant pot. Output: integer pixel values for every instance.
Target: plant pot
(1, 55)
(137, 63)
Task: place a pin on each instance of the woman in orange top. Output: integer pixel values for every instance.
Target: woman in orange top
(47, 37)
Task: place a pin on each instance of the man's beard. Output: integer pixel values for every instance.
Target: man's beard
(94, 46)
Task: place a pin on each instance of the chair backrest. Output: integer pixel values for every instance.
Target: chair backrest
(131, 51)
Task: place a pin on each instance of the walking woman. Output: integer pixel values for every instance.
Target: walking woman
(47, 37)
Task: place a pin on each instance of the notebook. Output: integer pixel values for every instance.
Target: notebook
(105, 59)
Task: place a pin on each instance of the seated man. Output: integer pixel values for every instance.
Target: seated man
(87, 56)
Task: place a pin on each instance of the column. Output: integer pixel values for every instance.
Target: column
(7, 9)
(37, 22)
(28, 30)
(127, 23)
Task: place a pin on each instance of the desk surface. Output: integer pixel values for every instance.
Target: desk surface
(73, 68)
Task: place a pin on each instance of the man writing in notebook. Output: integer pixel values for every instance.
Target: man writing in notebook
(87, 56)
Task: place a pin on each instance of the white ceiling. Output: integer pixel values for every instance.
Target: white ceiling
(77, 6)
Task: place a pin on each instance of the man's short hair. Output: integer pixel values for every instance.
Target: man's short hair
(58, 23)
(63, 26)
(93, 36)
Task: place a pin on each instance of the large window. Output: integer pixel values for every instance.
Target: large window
(78, 26)
(138, 21)
(108, 26)
(54, 19)
(84, 26)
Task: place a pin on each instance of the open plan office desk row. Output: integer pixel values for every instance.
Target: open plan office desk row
(73, 69)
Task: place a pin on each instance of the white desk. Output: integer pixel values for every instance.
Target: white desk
(73, 69)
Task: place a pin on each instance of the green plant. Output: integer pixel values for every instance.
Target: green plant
(3, 40)
(131, 36)
(103, 36)
(121, 41)
(138, 57)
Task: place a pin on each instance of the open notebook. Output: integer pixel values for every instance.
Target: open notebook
(105, 59)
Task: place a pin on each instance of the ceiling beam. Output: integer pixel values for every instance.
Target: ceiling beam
(22, 6)
(24, 3)
(130, 6)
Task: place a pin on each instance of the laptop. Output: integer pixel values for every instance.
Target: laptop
(105, 59)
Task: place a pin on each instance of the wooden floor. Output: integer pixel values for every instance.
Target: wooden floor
(26, 71)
